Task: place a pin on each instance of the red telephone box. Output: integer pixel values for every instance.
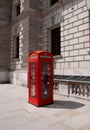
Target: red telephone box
(40, 78)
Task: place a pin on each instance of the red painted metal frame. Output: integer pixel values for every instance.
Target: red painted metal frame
(40, 57)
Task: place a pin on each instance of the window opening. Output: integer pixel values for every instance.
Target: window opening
(17, 47)
(55, 41)
(53, 2)
(18, 9)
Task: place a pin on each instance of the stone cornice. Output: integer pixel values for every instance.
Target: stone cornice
(31, 12)
(56, 6)
(25, 14)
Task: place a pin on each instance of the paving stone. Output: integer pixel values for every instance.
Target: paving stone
(65, 114)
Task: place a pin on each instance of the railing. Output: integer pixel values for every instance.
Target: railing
(78, 85)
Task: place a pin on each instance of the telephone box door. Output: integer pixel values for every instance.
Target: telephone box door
(32, 82)
(46, 81)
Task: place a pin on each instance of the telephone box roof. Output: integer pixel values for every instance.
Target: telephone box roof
(40, 52)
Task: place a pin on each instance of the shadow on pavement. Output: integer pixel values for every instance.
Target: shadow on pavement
(65, 105)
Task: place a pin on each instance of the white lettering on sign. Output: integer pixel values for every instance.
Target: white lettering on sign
(33, 56)
(45, 57)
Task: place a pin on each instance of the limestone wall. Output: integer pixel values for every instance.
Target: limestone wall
(5, 15)
(74, 20)
(28, 25)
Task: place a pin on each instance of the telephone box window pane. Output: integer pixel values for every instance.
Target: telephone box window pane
(45, 80)
(32, 65)
(33, 79)
(46, 67)
(33, 92)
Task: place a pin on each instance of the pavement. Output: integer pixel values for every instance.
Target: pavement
(67, 113)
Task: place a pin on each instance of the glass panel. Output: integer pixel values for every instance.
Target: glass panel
(33, 79)
(33, 92)
(45, 76)
(32, 65)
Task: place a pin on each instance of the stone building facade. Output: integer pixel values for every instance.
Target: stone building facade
(61, 27)
(73, 17)
(25, 26)
(5, 16)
